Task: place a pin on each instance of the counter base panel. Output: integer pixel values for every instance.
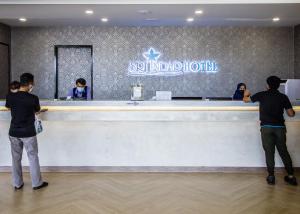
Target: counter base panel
(208, 144)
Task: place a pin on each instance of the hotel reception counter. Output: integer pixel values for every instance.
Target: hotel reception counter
(150, 136)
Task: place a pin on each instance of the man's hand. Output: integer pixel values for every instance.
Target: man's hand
(290, 112)
(247, 95)
(41, 111)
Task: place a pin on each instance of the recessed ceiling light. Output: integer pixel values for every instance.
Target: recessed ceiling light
(198, 12)
(151, 19)
(276, 19)
(144, 12)
(190, 19)
(89, 12)
(22, 19)
(104, 20)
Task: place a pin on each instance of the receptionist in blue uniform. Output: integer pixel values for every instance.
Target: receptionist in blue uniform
(81, 91)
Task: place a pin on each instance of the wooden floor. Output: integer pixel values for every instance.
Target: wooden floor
(157, 193)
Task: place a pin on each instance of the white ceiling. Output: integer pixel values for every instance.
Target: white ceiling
(160, 14)
(146, 1)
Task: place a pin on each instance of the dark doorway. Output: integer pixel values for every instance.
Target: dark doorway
(4, 69)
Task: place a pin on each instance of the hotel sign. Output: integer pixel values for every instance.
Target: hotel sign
(153, 66)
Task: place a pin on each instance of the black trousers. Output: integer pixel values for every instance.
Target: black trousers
(276, 137)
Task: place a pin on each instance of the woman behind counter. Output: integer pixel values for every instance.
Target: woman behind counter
(240, 90)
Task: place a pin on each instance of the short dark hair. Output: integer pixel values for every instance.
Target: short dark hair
(26, 79)
(273, 82)
(14, 85)
(81, 81)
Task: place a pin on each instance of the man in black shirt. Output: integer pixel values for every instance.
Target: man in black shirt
(24, 106)
(272, 104)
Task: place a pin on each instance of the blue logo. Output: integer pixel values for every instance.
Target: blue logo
(155, 67)
(151, 55)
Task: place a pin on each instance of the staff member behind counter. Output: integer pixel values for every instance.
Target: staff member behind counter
(81, 91)
(240, 90)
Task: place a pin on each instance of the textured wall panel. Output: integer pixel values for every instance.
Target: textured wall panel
(247, 54)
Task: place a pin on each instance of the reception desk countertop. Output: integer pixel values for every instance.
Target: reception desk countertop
(148, 106)
(147, 110)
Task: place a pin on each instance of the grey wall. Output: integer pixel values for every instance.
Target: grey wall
(247, 54)
(4, 59)
(297, 52)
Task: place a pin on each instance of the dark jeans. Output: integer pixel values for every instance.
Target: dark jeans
(276, 137)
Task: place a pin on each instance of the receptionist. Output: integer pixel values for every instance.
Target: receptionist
(239, 92)
(81, 91)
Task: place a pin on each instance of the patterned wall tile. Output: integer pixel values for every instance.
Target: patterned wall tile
(244, 54)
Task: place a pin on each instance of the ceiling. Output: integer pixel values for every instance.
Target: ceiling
(146, 1)
(157, 15)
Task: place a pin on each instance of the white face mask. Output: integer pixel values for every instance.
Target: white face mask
(80, 89)
(30, 88)
(14, 90)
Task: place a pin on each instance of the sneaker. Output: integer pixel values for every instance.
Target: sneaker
(291, 180)
(20, 187)
(271, 180)
(44, 184)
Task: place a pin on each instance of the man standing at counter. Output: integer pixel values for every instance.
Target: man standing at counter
(272, 104)
(24, 106)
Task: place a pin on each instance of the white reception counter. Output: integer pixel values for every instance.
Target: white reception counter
(150, 136)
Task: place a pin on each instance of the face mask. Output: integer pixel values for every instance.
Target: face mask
(30, 88)
(80, 89)
(14, 90)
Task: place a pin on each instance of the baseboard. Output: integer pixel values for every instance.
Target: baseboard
(158, 169)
